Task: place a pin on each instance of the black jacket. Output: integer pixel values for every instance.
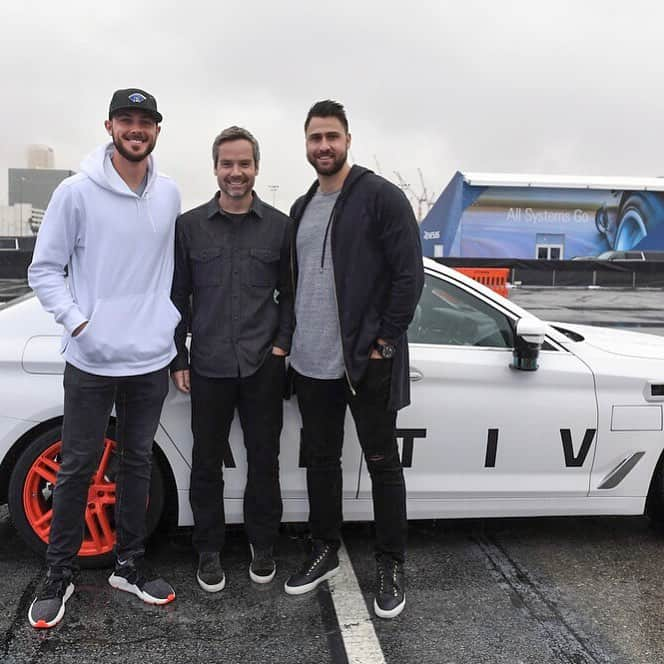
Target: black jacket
(378, 271)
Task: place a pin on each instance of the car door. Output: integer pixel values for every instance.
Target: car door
(479, 429)
(176, 420)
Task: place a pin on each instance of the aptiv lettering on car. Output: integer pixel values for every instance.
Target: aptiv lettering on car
(408, 437)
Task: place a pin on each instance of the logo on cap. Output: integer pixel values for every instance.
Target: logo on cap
(137, 98)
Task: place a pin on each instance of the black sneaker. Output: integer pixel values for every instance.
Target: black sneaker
(48, 607)
(262, 568)
(322, 564)
(210, 576)
(132, 577)
(390, 585)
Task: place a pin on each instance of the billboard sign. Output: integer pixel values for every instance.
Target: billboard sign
(501, 216)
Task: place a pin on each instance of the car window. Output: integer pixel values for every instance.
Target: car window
(449, 315)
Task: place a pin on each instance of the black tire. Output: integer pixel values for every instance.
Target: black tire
(21, 522)
(655, 499)
(639, 214)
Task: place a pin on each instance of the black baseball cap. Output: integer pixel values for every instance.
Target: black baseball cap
(133, 98)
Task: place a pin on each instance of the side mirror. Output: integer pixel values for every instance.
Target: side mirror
(530, 333)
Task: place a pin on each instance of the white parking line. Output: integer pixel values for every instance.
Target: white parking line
(359, 637)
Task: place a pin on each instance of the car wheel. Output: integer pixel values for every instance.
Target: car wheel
(655, 499)
(638, 215)
(30, 498)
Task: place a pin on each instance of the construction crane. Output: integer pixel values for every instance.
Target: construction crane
(423, 202)
(427, 199)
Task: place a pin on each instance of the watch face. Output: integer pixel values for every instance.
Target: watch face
(387, 351)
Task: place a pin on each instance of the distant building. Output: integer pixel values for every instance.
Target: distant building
(15, 221)
(41, 156)
(34, 186)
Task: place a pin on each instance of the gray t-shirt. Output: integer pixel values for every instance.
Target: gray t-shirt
(316, 348)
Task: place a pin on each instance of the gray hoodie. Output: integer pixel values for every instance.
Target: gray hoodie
(118, 247)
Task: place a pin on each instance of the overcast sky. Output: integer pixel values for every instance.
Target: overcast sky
(536, 86)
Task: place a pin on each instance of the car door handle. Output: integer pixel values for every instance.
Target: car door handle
(415, 375)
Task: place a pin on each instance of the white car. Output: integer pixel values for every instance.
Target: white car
(510, 416)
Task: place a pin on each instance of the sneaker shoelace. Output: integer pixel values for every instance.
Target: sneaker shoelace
(135, 574)
(381, 575)
(395, 585)
(54, 588)
(317, 561)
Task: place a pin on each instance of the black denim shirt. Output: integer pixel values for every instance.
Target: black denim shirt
(232, 287)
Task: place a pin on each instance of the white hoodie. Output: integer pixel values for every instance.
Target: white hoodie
(119, 250)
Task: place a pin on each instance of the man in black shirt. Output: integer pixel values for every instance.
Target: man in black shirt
(231, 255)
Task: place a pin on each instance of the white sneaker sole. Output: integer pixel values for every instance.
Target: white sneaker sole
(257, 578)
(392, 613)
(308, 587)
(43, 624)
(211, 588)
(120, 583)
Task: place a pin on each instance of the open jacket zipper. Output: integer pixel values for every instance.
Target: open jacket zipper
(336, 299)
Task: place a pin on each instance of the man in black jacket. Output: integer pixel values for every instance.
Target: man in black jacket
(359, 275)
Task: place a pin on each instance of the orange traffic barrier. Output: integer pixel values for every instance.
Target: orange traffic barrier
(494, 278)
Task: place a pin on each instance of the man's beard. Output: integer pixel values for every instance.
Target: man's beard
(333, 168)
(132, 156)
(231, 194)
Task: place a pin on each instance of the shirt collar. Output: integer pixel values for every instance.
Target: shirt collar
(256, 208)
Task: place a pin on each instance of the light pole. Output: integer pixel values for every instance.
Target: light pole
(273, 188)
(21, 180)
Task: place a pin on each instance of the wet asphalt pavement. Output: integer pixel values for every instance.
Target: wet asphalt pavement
(508, 591)
(505, 591)
(639, 310)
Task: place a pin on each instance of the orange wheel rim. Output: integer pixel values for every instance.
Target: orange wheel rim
(99, 535)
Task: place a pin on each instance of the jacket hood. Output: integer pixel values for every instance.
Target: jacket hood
(93, 167)
(356, 172)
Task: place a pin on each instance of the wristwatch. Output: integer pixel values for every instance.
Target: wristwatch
(387, 350)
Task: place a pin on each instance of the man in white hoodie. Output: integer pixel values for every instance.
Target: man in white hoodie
(112, 227)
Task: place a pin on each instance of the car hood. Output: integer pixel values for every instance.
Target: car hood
(617, 342)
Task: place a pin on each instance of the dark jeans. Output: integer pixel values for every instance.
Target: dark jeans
(258, 399)
(89, 400)
(323, 406)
